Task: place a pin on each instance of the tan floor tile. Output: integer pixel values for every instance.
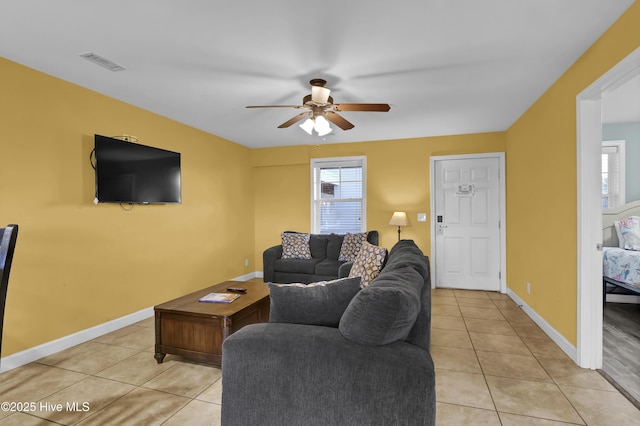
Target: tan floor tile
(474, 302)
(196, 413)
(444, 300)
(505, 303)
(35, 382)
(489, 326)
(516, 315)
(516, 420)
(468, 389)
(451, 338)
(185, 379)
(139, 407)
(129, 337)
(589, 379)
(148, 323)
(455, 359)
(529, 329)
(498, 343)
(445, 311)
(600, 407)
(494, 295)
(471, 294)
(445, 292)
(534, 399)
(212, 394)
(448, 323)
(21, 419)
(137, 370)
(456, 415)
(97, 393)
(97, 359)
(481, 313)
(560, 367)
(524, 367)
(543, 347)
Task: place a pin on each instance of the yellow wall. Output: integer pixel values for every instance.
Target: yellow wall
(77, 264)
(542, 183)
(397, 179)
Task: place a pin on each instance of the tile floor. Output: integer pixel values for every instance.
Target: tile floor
(494, 366)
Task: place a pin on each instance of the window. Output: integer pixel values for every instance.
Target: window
(613, 174)
(338, 195)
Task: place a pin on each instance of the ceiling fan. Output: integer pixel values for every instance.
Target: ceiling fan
(320, 109)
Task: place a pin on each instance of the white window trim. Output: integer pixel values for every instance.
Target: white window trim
(339, 161)
(620, 145)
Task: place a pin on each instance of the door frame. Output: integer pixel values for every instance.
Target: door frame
(589, 209)
(502, 210)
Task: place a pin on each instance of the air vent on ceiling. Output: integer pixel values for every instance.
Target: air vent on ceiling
(103, 62)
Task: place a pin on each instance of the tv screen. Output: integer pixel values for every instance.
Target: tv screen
(128, 172)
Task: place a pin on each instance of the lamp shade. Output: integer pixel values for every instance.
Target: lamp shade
(399, 219)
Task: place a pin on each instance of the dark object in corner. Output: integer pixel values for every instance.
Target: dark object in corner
(8, 237)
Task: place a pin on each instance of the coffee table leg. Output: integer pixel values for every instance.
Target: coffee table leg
(159, 357)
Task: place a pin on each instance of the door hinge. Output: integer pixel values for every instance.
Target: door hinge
(499, 275)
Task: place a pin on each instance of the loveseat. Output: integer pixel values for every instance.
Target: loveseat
(338, 354)
(323, 263)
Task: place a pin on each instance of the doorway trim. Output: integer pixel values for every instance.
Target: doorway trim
(502, 209)
(589, 209)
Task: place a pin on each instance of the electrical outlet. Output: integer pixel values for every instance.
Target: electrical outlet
(528, 287)
(246, 262)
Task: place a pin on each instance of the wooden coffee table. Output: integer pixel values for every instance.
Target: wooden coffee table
(196, 330)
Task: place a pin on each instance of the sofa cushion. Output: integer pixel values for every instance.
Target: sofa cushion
(296, 266)
(318, 245)
(334, 244)
(386, 310)
(320, 303)
(351, 245)
(328, 267)
(295, 246)
(369, 263)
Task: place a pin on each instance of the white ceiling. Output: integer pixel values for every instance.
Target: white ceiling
(622, 105)
(444, 66)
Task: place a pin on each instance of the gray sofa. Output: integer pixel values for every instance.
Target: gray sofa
(323, 265)
(374, 368)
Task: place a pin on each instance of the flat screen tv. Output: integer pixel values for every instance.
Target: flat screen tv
(132, 173)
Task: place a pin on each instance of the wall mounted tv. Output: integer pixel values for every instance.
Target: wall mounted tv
(132, 173)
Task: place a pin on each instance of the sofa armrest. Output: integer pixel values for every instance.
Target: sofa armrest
(277, 374)
(269, 256)
(344, 269)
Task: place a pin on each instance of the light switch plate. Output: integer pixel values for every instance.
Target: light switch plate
(422, 217)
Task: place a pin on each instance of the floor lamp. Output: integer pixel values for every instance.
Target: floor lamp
(399, 219)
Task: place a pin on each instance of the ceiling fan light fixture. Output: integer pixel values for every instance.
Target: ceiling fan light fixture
(308, 125)
(320, 94)
(322, 126)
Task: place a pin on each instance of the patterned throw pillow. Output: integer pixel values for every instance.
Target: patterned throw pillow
(630, 231)
(369, 263)
(295, 246)
(351, 245)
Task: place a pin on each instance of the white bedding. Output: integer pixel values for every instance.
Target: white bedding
(622, 265)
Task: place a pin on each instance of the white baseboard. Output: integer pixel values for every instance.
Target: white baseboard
(32, 354)
(558, 338)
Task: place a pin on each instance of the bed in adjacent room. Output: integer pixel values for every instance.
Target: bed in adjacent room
(621, 249)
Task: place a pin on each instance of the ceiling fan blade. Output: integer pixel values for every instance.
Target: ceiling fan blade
(338, 121)
(363, 107)
(294, 120)
(275, 106)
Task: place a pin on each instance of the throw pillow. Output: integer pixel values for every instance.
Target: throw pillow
(369, 263)
(295, 246)
(351, 245)
(385, 311)
(320, 303)
(630, 230)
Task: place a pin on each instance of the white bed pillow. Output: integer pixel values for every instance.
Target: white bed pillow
(628, 230)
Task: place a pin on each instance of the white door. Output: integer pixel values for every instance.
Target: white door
(466, 215)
